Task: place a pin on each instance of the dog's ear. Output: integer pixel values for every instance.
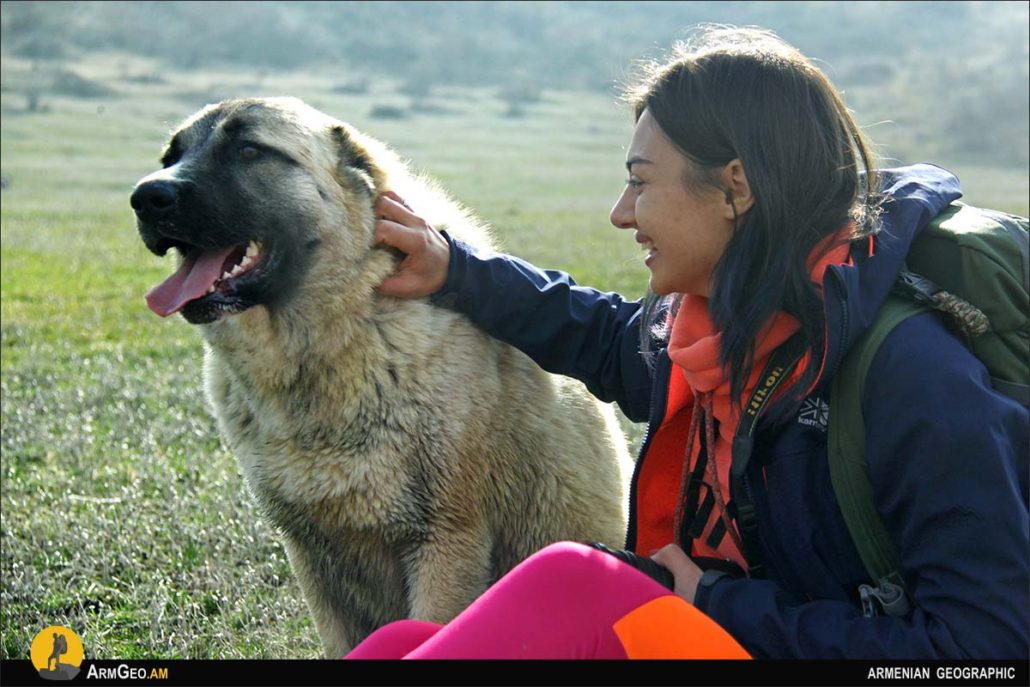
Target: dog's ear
(354, 160)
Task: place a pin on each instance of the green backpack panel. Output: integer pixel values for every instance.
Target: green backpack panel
(981, 256)
(972, 264)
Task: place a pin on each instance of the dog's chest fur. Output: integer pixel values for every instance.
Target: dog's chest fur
(346, 444)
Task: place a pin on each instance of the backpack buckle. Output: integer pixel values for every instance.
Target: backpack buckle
(886, 599)
(917, 288)
(964, 318)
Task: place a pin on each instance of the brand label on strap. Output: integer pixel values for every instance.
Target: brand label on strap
(815, 412)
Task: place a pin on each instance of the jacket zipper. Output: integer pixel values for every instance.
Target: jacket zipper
(839, 353)
(656, 412)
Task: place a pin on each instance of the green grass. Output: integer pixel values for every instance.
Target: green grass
(123, 517)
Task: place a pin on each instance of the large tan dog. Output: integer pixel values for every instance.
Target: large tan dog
(408, 459)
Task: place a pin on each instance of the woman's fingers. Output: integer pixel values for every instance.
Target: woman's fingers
(683, 569)
(671, 556)
(419, 274)
(394, 196)
(391, 207)
(426, 252)
(403, 238)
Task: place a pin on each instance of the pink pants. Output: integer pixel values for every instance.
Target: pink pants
(565, 601)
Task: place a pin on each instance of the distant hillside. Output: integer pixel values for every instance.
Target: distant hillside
(952, 76)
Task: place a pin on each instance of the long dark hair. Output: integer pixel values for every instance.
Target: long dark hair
(746, 94)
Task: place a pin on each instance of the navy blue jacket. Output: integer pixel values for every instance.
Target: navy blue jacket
(948, 456)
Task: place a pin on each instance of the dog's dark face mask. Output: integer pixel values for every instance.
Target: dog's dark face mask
(222, 200)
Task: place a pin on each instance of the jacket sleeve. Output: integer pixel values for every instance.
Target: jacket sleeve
(565, 328)
(948, 463)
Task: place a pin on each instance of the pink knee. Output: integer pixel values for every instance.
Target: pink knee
(561, 602)
(565, 559)
(394, 640)
(570, 573)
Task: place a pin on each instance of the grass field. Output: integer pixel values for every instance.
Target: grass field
(123, 517)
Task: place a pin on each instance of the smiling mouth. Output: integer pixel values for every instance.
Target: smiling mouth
(209, 276)
(647, 245)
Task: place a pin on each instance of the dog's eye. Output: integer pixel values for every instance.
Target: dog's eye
(250, 152)
(170, 158)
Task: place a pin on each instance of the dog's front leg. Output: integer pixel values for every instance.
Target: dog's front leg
(351, 590)
(446, 573)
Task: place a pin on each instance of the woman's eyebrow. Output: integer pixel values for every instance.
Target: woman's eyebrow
(636, 160)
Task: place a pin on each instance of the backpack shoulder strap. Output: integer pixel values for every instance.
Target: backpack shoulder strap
(849, 470)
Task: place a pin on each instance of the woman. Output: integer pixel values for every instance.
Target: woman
(749, 190)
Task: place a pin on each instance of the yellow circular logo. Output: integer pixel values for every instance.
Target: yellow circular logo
(56, 653)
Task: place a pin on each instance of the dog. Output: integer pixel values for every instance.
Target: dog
(407, 459)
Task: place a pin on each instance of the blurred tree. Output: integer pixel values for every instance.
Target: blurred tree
(951, 75)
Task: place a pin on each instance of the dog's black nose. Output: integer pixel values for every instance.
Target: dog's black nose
(153, 198)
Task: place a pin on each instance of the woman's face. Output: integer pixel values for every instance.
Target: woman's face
(683, 231)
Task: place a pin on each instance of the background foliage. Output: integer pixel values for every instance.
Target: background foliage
(951, 75)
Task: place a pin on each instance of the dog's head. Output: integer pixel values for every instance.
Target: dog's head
(249, 194)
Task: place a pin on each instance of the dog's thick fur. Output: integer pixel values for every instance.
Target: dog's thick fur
(408, 459)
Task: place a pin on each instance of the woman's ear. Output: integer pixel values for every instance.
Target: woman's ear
(739, 199)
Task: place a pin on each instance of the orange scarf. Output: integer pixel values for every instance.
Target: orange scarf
(694, 348)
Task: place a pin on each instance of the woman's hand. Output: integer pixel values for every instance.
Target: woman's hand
(427, 254)
(684, 571)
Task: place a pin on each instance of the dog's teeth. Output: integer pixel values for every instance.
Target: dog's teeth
(252, 250)
(236, 270)
(226, 275)
(211, 289)
(246, 261)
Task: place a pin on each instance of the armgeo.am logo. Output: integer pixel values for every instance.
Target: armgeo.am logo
(56, 653)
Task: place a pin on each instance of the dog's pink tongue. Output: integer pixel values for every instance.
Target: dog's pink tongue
(198, 272)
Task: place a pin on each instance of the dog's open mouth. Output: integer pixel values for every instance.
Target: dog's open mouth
(209, 277)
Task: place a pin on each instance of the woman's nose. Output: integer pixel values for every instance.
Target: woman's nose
(621, 215)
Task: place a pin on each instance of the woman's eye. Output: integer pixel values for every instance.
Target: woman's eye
(250, 152)
(633, 182)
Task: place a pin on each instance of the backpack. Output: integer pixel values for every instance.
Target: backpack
(971, 264)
